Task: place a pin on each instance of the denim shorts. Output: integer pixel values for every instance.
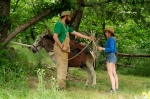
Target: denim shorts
(111, 57)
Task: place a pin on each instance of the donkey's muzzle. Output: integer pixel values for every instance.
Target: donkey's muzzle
(33, 50)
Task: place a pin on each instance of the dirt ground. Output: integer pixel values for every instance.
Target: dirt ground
(51, 72)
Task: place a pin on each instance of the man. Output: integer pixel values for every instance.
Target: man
(61, 46)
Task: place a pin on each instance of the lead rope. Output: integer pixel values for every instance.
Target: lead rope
(79, 52)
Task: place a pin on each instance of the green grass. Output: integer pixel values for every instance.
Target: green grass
(38, 83)
(130, 86)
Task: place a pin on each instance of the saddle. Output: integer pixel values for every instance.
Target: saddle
(75, 49)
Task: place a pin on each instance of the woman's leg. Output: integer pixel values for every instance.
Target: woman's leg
(110, 68)
(115, 76)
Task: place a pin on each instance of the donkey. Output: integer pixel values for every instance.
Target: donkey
(46, 41)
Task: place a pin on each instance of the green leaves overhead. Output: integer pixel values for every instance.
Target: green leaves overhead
(56, 7)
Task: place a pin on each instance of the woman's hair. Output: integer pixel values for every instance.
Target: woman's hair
(111, 34)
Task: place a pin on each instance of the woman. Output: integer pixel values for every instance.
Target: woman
(110, 50)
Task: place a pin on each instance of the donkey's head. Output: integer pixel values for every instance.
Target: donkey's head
(43, 41)
(37, 45)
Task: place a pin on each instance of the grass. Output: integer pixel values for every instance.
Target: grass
(41, 85)
(130, 87)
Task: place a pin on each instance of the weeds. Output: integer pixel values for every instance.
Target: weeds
(41, 84)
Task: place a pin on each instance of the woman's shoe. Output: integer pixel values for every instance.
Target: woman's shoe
(117, 90)
(111, 91)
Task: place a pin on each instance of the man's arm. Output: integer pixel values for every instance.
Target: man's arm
(81, 35)
(55, 36)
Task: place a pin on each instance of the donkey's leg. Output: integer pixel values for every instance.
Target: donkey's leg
(89, 64)
(52, 56)
(89, 78)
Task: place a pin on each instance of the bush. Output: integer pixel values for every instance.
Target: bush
(11, 73)
(140, 67)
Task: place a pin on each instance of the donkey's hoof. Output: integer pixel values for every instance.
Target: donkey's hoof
(94, 84)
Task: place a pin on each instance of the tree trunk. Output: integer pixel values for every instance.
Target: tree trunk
(77, 16)
(4, 15)
(25, 25)
(78, 19)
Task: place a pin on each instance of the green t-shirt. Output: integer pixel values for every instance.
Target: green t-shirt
(61, 30)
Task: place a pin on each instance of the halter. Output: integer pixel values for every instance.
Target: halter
(35, 47)
(38, 44)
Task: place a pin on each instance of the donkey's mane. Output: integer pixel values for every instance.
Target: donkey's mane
(49, 37)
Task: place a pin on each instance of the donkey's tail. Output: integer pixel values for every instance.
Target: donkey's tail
(94, 59)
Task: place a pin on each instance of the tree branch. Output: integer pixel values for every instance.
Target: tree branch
(25, 25)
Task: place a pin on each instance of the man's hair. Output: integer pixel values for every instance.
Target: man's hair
(63, 16)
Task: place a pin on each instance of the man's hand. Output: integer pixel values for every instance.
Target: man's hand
(82, 36)
(64, 48)
(101, 48)
(91, 38)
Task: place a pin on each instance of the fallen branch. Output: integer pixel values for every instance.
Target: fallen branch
(26, 45)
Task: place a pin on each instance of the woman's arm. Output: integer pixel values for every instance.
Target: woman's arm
(111, 46)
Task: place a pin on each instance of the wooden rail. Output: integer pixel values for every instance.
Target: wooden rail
(26, 45)
(133, 55)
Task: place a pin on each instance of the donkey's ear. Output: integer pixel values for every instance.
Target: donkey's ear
(42, 35)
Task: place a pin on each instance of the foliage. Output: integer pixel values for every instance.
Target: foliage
(10, 71)
(139, 67)
(34, 7)
(4, 20)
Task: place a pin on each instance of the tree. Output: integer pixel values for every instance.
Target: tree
(4, 18)
(53, 8)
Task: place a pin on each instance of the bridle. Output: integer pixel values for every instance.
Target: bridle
(36, 47)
